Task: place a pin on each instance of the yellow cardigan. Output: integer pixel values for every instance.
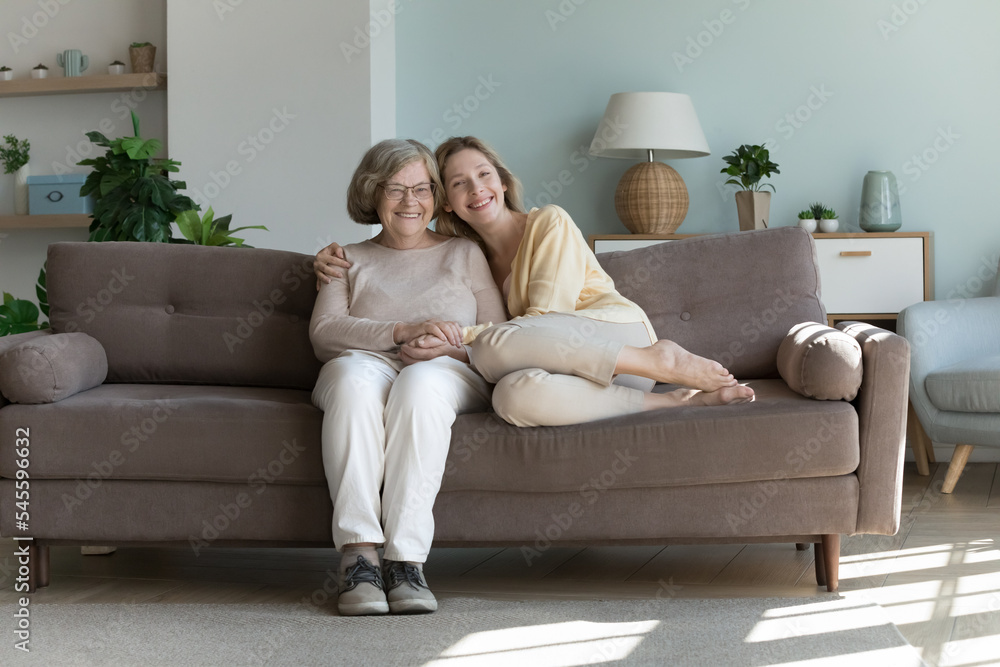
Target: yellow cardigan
(554, 270)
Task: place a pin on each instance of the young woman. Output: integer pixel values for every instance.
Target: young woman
(575, 350)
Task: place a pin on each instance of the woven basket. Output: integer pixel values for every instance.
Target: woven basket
(651, 199)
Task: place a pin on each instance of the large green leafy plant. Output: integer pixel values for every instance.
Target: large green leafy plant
(748, 164)
(135, 200)
(18, 316)
(208, 231)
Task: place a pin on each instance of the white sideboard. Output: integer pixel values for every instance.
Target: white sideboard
(862, 276)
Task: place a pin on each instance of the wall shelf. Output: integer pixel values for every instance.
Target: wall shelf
(44, 221)
(69, 85)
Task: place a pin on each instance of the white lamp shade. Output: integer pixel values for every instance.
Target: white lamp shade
(635, 123)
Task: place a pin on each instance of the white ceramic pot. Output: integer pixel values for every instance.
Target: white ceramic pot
(21, 190)
(116, 69)
(807, 224)
(6, 76)
(39, 73)
(829, 226)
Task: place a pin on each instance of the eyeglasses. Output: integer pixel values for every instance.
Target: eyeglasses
(397, 192)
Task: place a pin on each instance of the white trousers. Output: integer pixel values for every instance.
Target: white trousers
(558, 369)
(386, 435)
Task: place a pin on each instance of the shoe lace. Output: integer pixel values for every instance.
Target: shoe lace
(401, 572)
(362, 572)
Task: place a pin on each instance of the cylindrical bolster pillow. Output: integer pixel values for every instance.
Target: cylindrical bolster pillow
(820, 362)
(50, 368)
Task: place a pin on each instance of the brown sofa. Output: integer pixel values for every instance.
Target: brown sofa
(203, 432)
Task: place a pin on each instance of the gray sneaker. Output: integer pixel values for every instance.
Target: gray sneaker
(406, 588)
(362, 591)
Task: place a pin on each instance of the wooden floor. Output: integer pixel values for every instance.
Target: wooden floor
(938, 578)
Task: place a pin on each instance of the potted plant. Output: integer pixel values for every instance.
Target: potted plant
(748, 164)
(6, 73)
(209, 230)
(807, 221)
(828, 221)
(117, 67)
(14, 154)
(142, 55)
(40, 71)
(135, 200)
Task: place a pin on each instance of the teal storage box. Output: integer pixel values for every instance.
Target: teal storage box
(50, 195)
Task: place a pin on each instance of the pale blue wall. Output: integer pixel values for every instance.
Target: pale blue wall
(892, 94)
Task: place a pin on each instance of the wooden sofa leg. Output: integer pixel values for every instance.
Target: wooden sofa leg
(43, 566)
(820, 566)
(919, 441)
(38, 566)
(830, 548)
(958, 461)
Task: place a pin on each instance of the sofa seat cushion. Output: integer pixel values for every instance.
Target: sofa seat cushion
(972, 385)
(247, 435)
(781, 435)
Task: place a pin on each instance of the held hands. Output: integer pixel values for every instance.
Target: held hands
(427, 346)
(449, 332)
(330, 263)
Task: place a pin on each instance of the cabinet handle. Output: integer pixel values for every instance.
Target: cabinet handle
(855, 253)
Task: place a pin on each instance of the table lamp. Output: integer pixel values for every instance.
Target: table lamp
(651, 197)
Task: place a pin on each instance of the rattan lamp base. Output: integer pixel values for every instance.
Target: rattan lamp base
(651, 199)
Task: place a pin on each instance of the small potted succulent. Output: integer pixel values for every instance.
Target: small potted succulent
(142, 55)
(117, 67)
(819, 215)
(40, 71)
(6, 73)
(807, 221)
(828, 222)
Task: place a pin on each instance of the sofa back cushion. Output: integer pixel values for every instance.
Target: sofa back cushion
(728, 297)
(188, 314)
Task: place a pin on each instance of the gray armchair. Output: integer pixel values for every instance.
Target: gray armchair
(955, 373)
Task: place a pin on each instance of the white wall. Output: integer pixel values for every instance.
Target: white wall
(34, 31)
(270, 110)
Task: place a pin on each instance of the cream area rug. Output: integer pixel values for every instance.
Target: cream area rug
(467, 633)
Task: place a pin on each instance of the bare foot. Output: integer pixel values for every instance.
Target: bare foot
(666, 361)
(739, 393)
(680, 397)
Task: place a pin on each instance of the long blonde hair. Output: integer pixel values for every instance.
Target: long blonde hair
(450, 223)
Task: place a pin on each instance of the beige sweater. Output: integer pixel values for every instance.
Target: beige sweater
(450, 281)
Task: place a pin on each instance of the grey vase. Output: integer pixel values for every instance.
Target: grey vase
(880, 203)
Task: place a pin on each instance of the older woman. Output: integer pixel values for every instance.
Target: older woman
(576, 349)
(386, 425)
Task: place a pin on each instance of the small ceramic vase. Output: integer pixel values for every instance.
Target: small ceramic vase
(807, 224)
(39, 73)
(116, 69)
(829, 226)
(7, 75)
(880, 203)
(21, 190)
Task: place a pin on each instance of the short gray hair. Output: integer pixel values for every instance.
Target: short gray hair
(380, 163)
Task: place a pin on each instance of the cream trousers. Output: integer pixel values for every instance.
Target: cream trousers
(557, 369)
(386, 435)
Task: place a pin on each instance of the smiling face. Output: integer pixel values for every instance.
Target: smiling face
(406, 219)
(473, 189)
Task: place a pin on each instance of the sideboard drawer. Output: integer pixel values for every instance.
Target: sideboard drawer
(870, 275)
